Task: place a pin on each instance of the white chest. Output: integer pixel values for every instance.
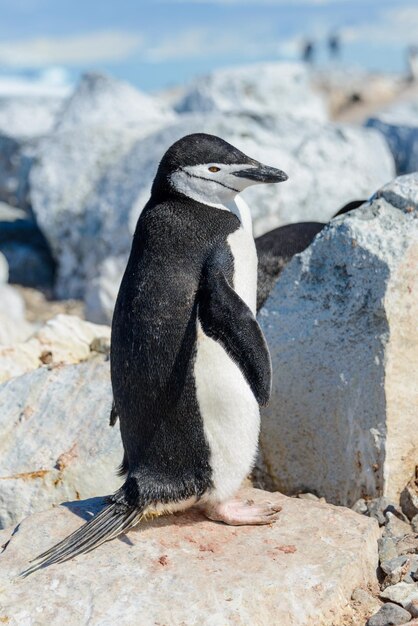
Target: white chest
(227, 405)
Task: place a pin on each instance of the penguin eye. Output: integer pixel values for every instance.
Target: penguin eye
(213, 168)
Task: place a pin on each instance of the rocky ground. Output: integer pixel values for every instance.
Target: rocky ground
(64, 235)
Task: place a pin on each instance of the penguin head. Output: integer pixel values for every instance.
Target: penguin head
(210, 170)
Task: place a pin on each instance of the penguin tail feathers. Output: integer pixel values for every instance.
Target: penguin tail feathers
(112, 521)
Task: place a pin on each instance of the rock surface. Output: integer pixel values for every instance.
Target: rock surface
(64, 339)
(188, 570)
(56, 441)
(272, 89)
(399, 126)
(339, 422)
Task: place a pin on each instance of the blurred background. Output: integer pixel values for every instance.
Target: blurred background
(157, 44)
(92, 93)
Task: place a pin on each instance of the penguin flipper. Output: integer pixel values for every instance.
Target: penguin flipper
(226, 318)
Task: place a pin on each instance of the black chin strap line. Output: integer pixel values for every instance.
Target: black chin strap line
(210, 180)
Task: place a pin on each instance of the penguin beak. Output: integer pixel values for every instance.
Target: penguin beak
(262, 174)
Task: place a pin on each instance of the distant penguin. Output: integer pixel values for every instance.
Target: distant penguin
(189, 363)
(277, 247)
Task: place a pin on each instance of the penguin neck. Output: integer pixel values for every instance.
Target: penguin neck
(221, 199)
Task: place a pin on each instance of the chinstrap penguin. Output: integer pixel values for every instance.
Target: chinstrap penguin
(189, 363)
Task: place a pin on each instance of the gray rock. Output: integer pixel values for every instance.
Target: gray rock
(15, 164)
(389, 615)
(408, 544)
(402, 593)
(392, 564)
(414, 524)
(399, 126)
(413, 608)
(263, 89)
(183, 569)
(56, 441)
(409, 499)
(379, 507)
(347, 364)
(100, 124)
(387, 549)
(328, 165)
(396, 527)
(402, 568)
(360, 506)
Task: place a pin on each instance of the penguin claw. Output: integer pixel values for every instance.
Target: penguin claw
(239, 513)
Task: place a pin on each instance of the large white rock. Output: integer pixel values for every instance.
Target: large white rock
(328, 166)
(342, 328)
(188, 570)
(56, 441)
(28, 117)
(273, 89)
(63, 339)
(399, 126)
(99, 124)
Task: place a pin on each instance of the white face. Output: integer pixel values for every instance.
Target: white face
(212, 183)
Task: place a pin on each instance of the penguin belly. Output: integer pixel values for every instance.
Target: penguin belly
(228, 408)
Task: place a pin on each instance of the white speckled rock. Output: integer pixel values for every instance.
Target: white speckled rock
(342, 328)
(275, 89)
(188, 570)
(63, 339)
(327, 166)
(27, 117)
(56, 441)
(399, 126)
(100, 123)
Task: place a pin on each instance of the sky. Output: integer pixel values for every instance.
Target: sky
(160, 43)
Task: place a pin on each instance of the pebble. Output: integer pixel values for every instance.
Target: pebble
(360, 506)
(402, 568)
(413, 608)
(402, 593)
(389, 615)
(396, 527)
(387, 548)
(379, 507)
(409, 500)
(308, 496)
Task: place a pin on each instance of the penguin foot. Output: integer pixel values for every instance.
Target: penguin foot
(241, 513)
